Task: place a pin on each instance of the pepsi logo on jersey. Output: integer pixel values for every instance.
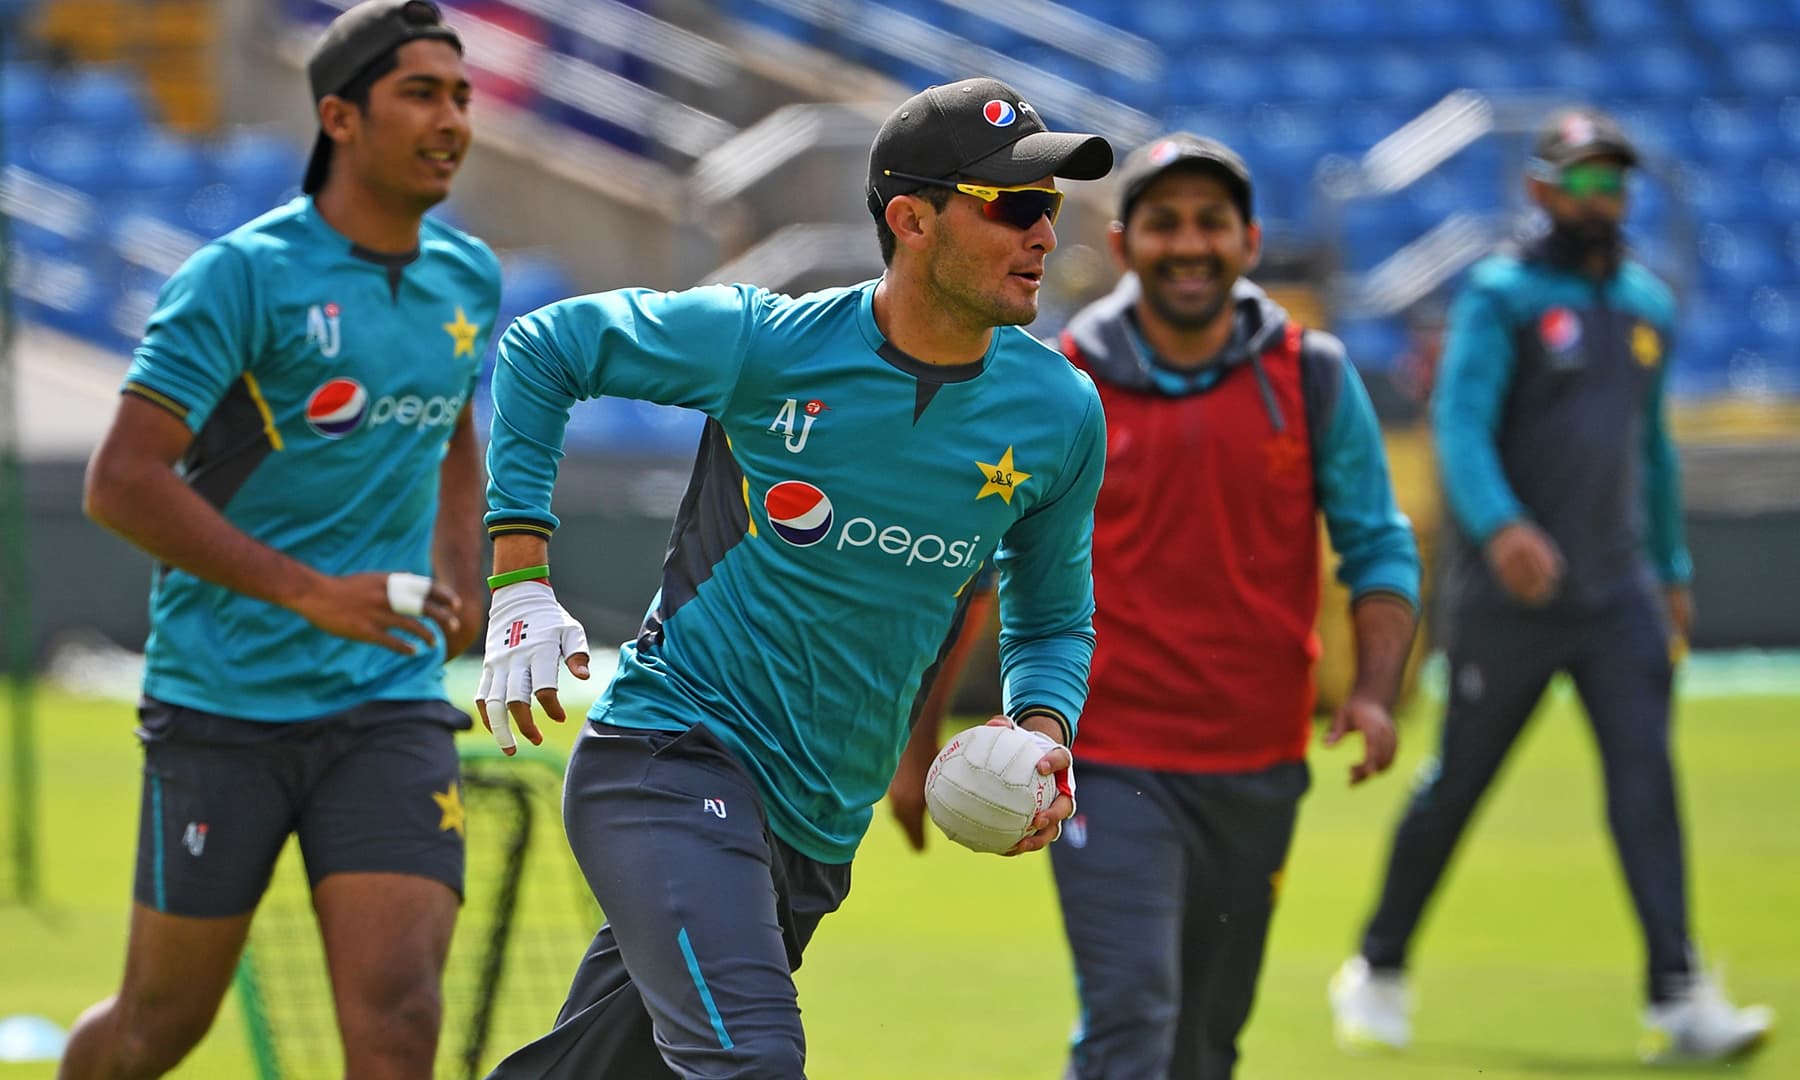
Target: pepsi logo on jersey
(802, 515)
(338, 407)
(798, 512)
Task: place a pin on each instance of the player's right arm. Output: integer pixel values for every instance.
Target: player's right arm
(682, 348)
(196, 347)
(1467, 405)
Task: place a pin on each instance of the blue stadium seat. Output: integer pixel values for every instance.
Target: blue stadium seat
(1493, 68)
(1531, 21)
(1343, 22)
(1307, 74)
(1736, 259)
(27, 101)
(1401, 72)
(74, 155)
(1222, 77)
(1577, 69)
(1169, 23)
(1243, 24)
(260, 164)
(1780, 185)
(1766, 67)
(1668, 69)
(103, 98)
(1729, 19)
(1731, 132)
(1614, 19)
(156, 158)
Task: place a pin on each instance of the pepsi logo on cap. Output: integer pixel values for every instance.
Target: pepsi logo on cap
(999, 113)
(1164, 152)
(336, 408)
(798, 512)
(1559, 329)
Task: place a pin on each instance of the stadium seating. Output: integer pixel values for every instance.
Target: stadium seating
(1710, 88)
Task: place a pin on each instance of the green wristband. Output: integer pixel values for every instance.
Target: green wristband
(513, 577)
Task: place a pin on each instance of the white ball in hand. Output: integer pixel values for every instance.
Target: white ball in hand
(984, 788)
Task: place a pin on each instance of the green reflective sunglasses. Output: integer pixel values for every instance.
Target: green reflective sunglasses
(1588, 178)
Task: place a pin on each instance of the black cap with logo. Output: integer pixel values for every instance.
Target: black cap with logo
(976, 129)
(1149, 161)
(1578, 133)
(352, 44)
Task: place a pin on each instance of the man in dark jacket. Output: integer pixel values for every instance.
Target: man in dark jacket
(1565, 554)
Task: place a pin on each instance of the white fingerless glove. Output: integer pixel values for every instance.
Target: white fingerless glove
(529, 636)
(1065, 778)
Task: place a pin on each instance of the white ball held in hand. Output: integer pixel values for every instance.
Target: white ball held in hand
(984, 788)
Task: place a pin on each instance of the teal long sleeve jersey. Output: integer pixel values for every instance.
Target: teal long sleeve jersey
(1550, 407)
(843, 497)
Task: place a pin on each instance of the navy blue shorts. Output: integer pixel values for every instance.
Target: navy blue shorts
(372, 789)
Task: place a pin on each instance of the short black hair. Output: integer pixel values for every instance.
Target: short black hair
(938, 198)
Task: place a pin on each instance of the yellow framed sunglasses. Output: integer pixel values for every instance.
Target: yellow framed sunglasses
(1019, 206)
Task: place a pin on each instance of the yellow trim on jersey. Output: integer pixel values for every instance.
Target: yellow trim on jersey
(748, 516)
(156, 397)
(262, 406)
(501, 527)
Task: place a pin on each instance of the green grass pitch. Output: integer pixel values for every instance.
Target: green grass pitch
(953, 966)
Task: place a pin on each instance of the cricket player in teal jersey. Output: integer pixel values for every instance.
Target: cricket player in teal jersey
(295, 448)
(867, 450)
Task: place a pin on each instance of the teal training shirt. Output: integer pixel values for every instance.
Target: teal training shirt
(844, 496)
(322, 384)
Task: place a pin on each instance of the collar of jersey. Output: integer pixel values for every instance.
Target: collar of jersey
(918, 369)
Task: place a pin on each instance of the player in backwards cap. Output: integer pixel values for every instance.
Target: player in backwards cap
(294, 447)
(867, 449)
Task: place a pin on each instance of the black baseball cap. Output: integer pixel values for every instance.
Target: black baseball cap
(1149, 161)
(976, 129)
(352, 44)
(1578, 133)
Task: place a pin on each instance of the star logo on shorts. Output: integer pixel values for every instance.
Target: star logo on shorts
(450, 802)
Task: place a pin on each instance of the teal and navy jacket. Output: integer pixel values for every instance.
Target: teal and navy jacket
(1549, 407)
(844, 496)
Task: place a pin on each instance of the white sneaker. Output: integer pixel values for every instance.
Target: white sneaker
(1369, 1009)
(1702, 1025)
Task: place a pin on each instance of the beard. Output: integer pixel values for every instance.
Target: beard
(1577, 242)
(1182, 314)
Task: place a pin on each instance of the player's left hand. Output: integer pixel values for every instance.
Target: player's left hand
(1060, 763)
(1680, 601)
(467, 629)
(529, 637)
(1379, 740)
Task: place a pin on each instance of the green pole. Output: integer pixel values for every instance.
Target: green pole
(15, 595)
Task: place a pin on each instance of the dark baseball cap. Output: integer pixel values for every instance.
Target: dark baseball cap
(1149, 161)
(976, 129)
(352, 44)
(1578, 133)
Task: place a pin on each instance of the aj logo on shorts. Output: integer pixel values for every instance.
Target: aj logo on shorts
(194, 838)
(715, 807)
